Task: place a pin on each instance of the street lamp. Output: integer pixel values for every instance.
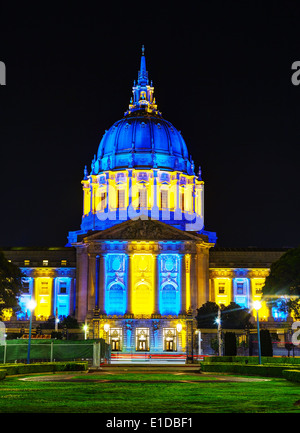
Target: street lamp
(30, 306)
(218, 321)
(85, 328)
(56, 320)
(179, 327)
(257, 306)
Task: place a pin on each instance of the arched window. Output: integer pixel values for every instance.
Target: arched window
(169, 300)
(115, 299)
(143, 299)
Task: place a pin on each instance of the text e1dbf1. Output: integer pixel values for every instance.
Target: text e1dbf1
(2, 74)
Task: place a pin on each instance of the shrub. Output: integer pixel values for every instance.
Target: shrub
(292, 375)
(266, 343)
(45, 367)
(230, 344)
(244, 369)
(254, 359)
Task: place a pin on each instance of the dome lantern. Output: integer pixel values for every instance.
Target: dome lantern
(143, 94)
(143, 138)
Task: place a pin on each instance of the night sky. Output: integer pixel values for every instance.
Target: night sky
(222, 76)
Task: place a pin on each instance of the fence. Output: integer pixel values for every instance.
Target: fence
(55, 350)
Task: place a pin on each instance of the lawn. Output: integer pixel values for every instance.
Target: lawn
(132, 393)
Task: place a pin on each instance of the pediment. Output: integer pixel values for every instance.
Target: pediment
(147, 230)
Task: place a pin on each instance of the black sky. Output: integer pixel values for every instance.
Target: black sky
(222, 76)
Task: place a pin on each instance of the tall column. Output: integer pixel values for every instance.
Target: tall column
(54, 295)
(155, 209)
(202, 276)
(156, 285)
(81, 282)
(232, 282)
(129, 187)
(101, 287)
(193, 282)
(178, 210)
(91, 281)
(194, 196)
(212, 295)
(188, 280)
(183, 284)
(129, 291)
(97, 270)
(73, 296)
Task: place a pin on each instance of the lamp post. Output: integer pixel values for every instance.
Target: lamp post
(257, 306)
(56, 320)
(198, 332)
(218, 321)
(30, 306)
(85, 328)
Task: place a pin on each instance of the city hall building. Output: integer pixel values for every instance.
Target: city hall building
(142, 261)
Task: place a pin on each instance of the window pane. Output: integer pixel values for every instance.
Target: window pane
(143, 197)
(121, 198)
(164, 199)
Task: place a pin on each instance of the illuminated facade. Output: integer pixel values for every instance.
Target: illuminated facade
(142, 250)
(142, 261)
(49, 278)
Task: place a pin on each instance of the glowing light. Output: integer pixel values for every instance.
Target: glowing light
(187, 280)
(115, 294)
(223, 291)
(142, 288)
(106, 327)
(179, 327)
(169, 283)
(43, 296)
(114, 196)
(31, 305)
(257, 305)
(85, 328)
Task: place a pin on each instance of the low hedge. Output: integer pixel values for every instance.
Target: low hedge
(2, 374)
(253, 360)
(292, 375)
(266, 370)
(45, 367)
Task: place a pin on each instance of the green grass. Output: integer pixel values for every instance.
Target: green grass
(273, 396)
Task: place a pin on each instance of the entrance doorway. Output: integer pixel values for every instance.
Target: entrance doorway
(142, 339)
(116, 339)
(115, 345)
(169, 346)
(170, 339)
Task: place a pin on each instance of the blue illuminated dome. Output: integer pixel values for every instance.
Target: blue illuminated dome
(142, 138)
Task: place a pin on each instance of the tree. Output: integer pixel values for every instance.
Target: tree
(233, 316)
(10, 284)
(68, 322)
(206, 315)
(289, 346)
(284, 280)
